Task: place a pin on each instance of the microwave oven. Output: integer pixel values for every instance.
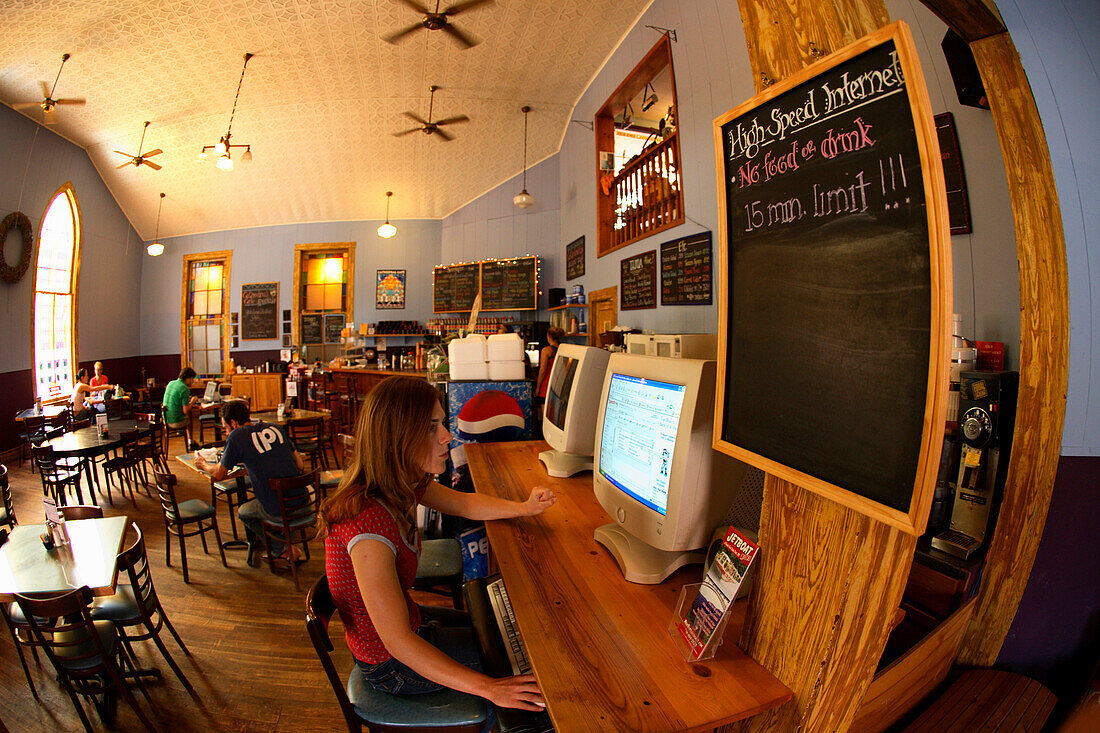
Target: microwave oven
(676, 346)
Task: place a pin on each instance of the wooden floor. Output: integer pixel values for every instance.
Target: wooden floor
(252, 665)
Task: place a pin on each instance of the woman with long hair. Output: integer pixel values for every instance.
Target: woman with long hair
(372, 544)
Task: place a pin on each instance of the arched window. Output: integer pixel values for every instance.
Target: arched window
(55, 284)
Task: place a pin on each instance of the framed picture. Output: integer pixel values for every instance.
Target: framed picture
(286, 315)
(234, 317)
(286, 342)
(390, 290)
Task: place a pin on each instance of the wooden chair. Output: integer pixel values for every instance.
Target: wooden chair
(306, 436)
(75, 512)
(85, 654)
(179, 515)
(123, 465)
(297, 517)
(57, 478)
(7, 511)
(31, 434)
(136, 605)
(328, 434)
(114, 409)
(361, 705)
(21, 635)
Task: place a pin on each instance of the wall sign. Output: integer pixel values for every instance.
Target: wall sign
(835, 295)
(958, 200)
(334, 324)
(686, 271)
(505, 285)
(259, 311)
(574, 258)
(313, 328)
(638, 281)
(390, 292)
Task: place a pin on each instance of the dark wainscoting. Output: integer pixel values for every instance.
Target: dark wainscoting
(250, 359)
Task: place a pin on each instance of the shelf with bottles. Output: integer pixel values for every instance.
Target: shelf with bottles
(485, 325)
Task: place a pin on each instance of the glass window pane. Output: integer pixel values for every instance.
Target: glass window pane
(332, 296)
(214, 336)
(198, 337)
(214, 278)
(315, 297)
(198, 361)
(199, 307)
(315, 272)
(199, 282)
(334, 269)
(213, 362)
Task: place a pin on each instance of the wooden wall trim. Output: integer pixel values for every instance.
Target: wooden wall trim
(971, 19)
(1044, 348)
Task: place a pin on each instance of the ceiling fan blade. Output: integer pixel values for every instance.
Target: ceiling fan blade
(128, 155)
(151, 153)
(45, 90)
(28, 105)
(415, 118)
(465, 5)
(49, 116)
(444, 134)
(415, 6)
(395, 37)
(129, 162)
(453, 120)
(406, 132)
(459, 36)
(151, 164)
(71, 100)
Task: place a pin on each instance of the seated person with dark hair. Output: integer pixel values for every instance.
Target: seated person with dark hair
(81, 391)
(266, 453)
(177, 404)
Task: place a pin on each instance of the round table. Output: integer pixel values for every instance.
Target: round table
(87, 443)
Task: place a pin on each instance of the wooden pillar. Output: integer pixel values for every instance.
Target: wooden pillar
(830, 578)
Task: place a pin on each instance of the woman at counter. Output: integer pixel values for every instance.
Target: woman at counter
(554, 335)
(372, 544)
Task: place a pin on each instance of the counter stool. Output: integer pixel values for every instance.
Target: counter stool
(446, 710)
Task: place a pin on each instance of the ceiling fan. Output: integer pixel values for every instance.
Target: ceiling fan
(437, 20)
(48, 103)
(427, 126)
(139, 159)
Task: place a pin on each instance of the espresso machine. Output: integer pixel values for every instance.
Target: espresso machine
(987, 420)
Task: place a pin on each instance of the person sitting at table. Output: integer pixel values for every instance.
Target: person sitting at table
(81, 391)
(99, 378)
(266, 452)
(178, 402)
(372, 544)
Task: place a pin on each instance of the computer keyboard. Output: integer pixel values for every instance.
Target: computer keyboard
(506, 622)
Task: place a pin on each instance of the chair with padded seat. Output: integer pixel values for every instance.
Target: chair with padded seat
(361, 705)
(306, 435)
(439, 569)
(7, 511)
(57, 477)
(178, 516)
(32, 432)
(20, 631)
(75, 512)
(331, 479)
(124, 465)
(85, 653)
(297, 497)
(137, 605)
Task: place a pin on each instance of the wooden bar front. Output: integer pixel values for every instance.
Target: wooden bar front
(599, 645)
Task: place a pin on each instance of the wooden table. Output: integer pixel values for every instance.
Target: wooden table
(89, 558)
(598, 644)
(48, 411)
(88, 443)
(298, 414)
(238, 475)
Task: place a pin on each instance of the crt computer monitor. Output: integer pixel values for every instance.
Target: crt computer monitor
(569, 415)
(656, 474)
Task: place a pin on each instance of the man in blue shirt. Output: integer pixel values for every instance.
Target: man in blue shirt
(266, 453)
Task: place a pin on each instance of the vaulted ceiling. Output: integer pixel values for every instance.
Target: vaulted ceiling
(319, 103)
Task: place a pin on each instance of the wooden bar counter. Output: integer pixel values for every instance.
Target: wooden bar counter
(361, 380)
(599, 645)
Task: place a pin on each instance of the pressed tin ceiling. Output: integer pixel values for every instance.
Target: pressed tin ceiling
(319, 102)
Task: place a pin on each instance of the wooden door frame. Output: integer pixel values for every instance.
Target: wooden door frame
(598, 296)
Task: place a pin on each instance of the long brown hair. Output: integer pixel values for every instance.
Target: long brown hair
(391, 438)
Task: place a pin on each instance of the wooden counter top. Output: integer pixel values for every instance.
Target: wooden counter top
(600, 645)
(383, 372)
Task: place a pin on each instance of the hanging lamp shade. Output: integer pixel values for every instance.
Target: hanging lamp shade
(387, 230)
(523, 199)
(155, 247)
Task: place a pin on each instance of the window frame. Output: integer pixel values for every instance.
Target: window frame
(347, 249)
(69, 191)
(227, 261)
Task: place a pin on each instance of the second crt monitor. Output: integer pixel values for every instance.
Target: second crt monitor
(655, 472)
(572, 402)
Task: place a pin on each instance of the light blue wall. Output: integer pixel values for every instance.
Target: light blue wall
(1058, 44)
(266, 254)
(34, 164)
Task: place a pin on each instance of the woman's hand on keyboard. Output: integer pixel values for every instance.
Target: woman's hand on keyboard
(520, 692)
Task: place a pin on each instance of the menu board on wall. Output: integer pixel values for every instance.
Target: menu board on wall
(334, 324)
(638, 281)
(313, 328)
(259, 311)
(834, 262)
(574, 258)
(455, 287)
(509, 285)
(686, 271)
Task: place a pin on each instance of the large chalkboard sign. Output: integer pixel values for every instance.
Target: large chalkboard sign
(455, 287)
(835, 296)
(509, 285)
(574, 258)
(313, 328)
(334, 324)
(259, 311)
(686, 271)
(638, 281)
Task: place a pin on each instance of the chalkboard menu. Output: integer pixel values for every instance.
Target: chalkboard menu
(638, 281)
(686, 271)
(454, 288)
(259, 311)
(574, 258)
(834, 294)
(509, 285)
(313, 328)
(334, 324)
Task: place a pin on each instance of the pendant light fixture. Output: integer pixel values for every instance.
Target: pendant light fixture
(155, 247)
(387, 230)
(223, 148)
(523, 199)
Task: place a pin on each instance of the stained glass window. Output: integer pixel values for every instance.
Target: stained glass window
(54, 288)
(205, 315)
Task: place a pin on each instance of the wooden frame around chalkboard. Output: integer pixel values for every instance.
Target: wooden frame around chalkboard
(914, 519)
(480, 264)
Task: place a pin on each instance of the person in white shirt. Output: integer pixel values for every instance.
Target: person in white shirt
(81, 391)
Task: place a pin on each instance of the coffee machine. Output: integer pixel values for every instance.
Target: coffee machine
(987, 420)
